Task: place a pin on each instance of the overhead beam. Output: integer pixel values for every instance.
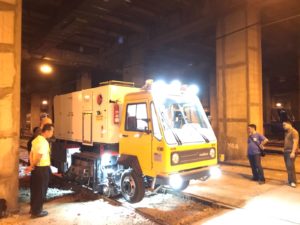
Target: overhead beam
(64, 57)
(58, 22)
(169, 36)
(58, 34)
(112, 19)
(88, 41)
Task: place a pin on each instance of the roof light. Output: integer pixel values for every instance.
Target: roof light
(46, 69)
(175, 85)
(278, 105)
(193, 89)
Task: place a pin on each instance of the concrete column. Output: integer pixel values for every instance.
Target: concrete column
(84, 81)
(35, 110)
(10, 49)
(134, 67)
(239, 80)
(267, 100)
(298, 115)
(213, 102)
(25, 108)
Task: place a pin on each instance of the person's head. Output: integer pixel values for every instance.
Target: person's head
(287, 125)
(36, 131)
(47, 130)
(251, 128)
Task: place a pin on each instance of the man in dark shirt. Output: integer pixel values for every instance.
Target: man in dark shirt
(256, 142)
(291, 141)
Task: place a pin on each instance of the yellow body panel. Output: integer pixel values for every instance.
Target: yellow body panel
(154, 155)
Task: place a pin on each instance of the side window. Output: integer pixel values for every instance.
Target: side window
(136, 117)
(156, 130)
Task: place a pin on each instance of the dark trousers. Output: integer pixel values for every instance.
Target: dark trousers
(290, 167)
(38, 188)
(257, 170)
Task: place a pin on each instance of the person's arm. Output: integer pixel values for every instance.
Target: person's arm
(264, 141)
(34, 160)
(295, 144)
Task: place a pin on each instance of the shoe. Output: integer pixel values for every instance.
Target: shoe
(41, 214)
(261, 181)
(293, 185)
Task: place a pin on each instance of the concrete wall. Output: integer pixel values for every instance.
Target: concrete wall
(10, 49)
(239, 80)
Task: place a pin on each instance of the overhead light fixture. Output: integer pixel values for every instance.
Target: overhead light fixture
(44, 102)
(46, 69)
(278, 105)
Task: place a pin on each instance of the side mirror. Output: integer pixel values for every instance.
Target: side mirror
(147, 131)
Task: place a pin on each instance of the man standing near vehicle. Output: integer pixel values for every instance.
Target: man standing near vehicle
(291, 142)
(40, 171)
(256, 144)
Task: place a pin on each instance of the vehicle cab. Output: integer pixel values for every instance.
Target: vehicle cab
(166, 133)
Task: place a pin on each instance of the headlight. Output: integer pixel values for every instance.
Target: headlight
(106, 159)
(175, 181)
(212, 153)
(175, 158)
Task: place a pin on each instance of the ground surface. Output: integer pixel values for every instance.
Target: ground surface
(272, 203)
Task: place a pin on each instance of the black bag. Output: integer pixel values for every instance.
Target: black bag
(262, 152)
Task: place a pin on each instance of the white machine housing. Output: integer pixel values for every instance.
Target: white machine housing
(87, 116)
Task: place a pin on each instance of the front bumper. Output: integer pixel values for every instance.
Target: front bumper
(200, 173)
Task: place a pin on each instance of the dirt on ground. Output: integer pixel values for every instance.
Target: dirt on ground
(69, 206)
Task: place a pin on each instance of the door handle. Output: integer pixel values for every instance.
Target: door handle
(124, 135)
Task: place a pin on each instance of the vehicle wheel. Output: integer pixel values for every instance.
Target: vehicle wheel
(132, 186)
(184, 185)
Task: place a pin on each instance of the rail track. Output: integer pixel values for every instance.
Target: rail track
(119, 201)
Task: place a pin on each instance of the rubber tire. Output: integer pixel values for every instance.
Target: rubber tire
(184, 185)
(139, 193)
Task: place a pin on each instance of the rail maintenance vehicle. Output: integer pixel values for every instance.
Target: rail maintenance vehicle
(119, 139)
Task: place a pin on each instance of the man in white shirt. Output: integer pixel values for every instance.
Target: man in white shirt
(40, 171)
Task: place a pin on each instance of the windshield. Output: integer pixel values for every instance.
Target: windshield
(183, 120)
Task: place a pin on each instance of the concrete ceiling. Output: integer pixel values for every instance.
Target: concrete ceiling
(98, 34)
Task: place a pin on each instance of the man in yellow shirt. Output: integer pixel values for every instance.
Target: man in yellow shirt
(40, 171)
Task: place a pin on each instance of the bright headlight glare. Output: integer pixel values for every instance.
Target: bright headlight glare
(175, 181)
(175, 86)
(158, 85)
(105, 159)
(215, 172)
(193, 89)
(175, 158)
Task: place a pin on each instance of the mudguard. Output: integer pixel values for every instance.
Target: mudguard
(130, 161)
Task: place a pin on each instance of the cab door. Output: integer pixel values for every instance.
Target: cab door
(136, 136)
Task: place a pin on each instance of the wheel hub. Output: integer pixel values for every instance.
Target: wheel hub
(129, 186)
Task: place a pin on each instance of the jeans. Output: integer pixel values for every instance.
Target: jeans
(290, 167)
(257, 170)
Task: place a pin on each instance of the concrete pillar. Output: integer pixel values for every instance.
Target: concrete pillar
(84, 81)
(35, 110)
(239, 80)
(267, 106)
(10, 49)
(134, 67)
(267, 100)
(298, 115)
(25, 109)
(213, 102)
